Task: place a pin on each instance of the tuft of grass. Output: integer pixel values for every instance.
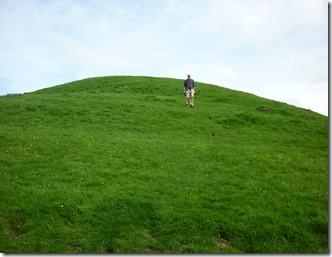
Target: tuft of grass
(120, 165)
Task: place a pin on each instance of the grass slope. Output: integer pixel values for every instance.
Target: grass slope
(120, 165)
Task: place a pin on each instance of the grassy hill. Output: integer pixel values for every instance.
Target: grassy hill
(121, 165)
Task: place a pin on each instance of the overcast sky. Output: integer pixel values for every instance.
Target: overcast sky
(277, 49)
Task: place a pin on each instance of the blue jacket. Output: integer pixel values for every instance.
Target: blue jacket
(189, 84)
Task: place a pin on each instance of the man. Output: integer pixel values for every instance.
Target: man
(189, 90)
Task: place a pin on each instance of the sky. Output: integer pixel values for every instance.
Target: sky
(276, 49)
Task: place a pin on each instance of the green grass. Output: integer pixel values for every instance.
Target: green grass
(120, 165)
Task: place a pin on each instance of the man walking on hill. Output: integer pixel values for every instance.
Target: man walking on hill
(189, 90)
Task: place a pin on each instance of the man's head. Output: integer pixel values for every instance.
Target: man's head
(189, 76)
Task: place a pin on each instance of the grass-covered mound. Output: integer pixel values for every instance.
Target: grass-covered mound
(121, 165)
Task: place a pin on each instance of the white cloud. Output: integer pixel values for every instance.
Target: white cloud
(265, 47)
(311, 67)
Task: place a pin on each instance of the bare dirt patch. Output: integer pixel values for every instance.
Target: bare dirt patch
(223, 243)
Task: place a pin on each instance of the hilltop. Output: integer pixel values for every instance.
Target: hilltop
(120, 165)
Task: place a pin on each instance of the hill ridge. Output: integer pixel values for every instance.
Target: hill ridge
(119, 164)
